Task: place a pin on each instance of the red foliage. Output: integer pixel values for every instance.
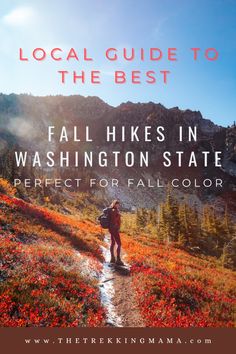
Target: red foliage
(42, 279)
(42, 283)
(175, 289)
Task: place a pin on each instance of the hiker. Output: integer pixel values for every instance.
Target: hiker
(114, 229)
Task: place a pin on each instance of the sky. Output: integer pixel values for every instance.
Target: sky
(207, 86)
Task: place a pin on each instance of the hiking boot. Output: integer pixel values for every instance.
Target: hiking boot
(119, 262)
(113, 260)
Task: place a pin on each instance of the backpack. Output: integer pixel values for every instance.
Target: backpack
(105, 218)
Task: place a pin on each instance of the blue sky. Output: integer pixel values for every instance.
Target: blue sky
(203, 85)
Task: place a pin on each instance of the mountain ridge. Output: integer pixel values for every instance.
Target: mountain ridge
(24, 118)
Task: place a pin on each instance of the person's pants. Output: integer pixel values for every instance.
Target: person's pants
(115, 239)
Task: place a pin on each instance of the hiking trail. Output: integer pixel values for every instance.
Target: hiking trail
(117, 295)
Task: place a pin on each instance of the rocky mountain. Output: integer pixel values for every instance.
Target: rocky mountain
(23, 125)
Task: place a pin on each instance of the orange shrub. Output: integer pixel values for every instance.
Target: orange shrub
(7, 188)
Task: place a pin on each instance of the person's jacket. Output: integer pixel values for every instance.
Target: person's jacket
(115, 219)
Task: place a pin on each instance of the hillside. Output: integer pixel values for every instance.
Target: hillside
(49, 267)
(175, 289)
(52, 263)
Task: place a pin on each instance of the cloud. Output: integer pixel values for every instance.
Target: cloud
(20, 16)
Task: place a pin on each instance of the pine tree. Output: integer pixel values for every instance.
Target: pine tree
(141, 218)
(171, 214)
(153, 217)
(162, 229)
(208, 231)
(183, 235)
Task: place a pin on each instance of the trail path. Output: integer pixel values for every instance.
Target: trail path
(117, 294)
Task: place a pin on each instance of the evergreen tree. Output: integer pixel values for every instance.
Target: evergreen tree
(153, 217)
(141, 218)
(162, 228)
(171, 216)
